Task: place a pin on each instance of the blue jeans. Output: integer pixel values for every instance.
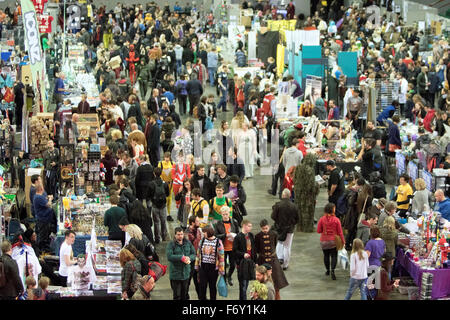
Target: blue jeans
(243, 285)
(355, 283)
(211, 75)
(179, 66)
(223, 99)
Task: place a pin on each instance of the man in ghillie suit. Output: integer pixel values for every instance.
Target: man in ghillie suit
(306, 190)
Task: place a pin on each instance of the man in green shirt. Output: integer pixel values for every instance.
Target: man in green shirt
(112, 218)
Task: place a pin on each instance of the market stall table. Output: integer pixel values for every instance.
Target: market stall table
(79, 246)
(97, 295)
(441, 277)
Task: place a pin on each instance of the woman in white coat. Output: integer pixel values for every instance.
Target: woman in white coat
(247, 149)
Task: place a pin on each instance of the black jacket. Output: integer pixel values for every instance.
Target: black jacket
(246, 267)
(153, 184)
(194, 88)
(207, 192)
(151, 103)
(144, 176)
(13, 285)
(236, 167)
(285, 215)
(220, 231)
(153, 137)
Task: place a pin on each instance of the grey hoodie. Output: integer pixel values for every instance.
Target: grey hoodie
(363, 232)
(292, 157)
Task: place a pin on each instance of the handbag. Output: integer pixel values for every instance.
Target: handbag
(222, 287)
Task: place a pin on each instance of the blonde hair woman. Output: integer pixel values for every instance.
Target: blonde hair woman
(134, 231)
(389, 234)
(236, 126)
(359, 262)
(422, 198)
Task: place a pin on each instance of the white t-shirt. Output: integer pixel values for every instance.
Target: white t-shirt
(65, 250)
(358, 268)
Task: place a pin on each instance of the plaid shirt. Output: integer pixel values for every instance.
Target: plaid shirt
(129, 272)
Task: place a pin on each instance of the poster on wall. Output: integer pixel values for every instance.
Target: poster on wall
(313, 88)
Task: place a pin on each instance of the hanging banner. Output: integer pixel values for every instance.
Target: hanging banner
(313, 88)
(45, 23)
(39, 6)
(33, 46)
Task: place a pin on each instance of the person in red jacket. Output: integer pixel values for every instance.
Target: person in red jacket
(289, 181)
(269, 102)
(301, 143)
(329, 226)
(428, 120)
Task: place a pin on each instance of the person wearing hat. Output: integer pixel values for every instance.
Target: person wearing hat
(377, 206)
(386, 285)
(123, 223)
(336, 185)
(266, 243)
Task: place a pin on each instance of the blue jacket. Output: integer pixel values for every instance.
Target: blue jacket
(41, 210)
(385, 114)
(394, 134)
(444, 208)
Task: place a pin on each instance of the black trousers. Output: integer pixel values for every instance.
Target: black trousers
(44, 229)
(208, 277)
(402, 212)
(180, 289)
(278, 176)
(326, 258)
(194, 277)
(230, 256)
(193, 101)
(51, 179)
(154, 159)
(183, 104)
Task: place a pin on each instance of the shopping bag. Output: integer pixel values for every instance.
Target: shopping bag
(343, 258)
(222, 287)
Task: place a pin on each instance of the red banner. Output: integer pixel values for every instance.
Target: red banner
(39, 6)
(45, 23)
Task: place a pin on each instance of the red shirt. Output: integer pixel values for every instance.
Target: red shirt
(301, 147)
(332, 225)
(266, 103)
(428, 119)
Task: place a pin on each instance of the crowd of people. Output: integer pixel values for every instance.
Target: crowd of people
(151, 147)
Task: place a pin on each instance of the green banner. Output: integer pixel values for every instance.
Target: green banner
(33, 46)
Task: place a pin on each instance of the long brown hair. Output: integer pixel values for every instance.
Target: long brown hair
(125, 255)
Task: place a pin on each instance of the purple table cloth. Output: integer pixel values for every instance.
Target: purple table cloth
(441, 277)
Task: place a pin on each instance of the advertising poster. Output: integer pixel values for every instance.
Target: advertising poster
(313, 88)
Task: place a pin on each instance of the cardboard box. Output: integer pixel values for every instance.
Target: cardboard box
(28, 173)
(115, 62)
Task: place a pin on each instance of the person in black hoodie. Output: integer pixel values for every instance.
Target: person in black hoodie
(245, 262)
(195, 90)
(144, 176)
(175, 116)
(200, 180)
(141, 216)
(126, 196)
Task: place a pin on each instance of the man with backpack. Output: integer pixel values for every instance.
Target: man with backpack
(181, 255)
(200, 207)
(10, 284)
(159, 191)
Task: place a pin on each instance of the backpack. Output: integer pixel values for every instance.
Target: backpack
(152, 65)
(342, 204)
(159, 197)
(164, 64)
(2, 274)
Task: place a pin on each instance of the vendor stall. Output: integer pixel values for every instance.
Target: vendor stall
(426, 251)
